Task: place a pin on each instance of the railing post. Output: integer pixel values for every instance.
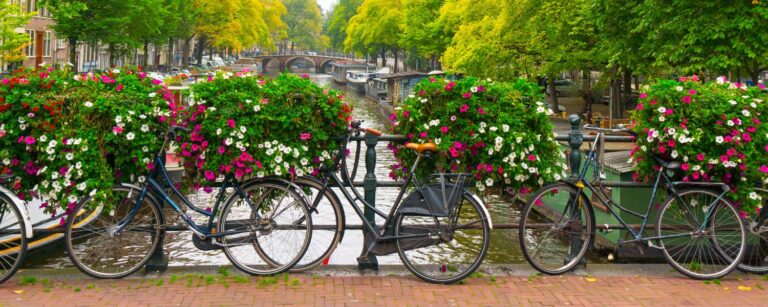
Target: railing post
(158, 262)
(369, 262)
(576, 139)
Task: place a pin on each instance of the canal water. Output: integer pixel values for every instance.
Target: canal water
(504, 246)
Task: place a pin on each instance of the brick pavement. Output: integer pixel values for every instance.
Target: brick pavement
(310, 290)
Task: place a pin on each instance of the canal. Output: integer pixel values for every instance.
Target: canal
(504, 247)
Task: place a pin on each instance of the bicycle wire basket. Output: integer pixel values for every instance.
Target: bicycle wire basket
(438, 196)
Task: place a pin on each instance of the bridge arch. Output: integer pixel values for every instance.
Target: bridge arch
(289, 63)
(271, 63)
(324, 65)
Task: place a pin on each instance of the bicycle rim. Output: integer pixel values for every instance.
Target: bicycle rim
(269, 241)
(94, 246)
(13, 238)
(327, 227)
(756, 256)
(431, 257)
(556, 229)
(707, 252)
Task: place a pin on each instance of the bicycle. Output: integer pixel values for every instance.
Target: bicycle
(122, 238)
(440, 230)
(698, 230)
(15, 231)
(756, 257)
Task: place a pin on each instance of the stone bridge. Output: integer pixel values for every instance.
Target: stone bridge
(284, 61)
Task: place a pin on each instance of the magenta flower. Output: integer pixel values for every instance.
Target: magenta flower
(423, 135)
(467, 95)
(700, 157)
(480, 111)
(222, 149)
(464, 108)
(531, 158)
(723, 158)
(117, 130)
(669, 112)
(264, 101)
(5, 81)
(432, 79)
(142, 75)
(639, 107)
(444, 129)
(643, 95)
(687, 99)
(761, 86)
(210, 176)
(746, 137)
(685, 166)
(156, 82)
(764, 169)
(304, 76)
(692, 92)
(119, 87)
(730, 152)
(29, 140)
(231, 123)
(305, 136)
(449, 86)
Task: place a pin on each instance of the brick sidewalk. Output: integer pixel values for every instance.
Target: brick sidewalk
(302, 289)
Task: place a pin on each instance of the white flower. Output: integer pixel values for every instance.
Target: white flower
(505, 128)
(732, 102)
(493, 128)
(437, 141)
(117, 71)
(745, 112)
(662, 118)
(142, 179)
(473, 89)
(499, 140)
(50, 150)
(719, 139)
(730, 123)
(23, 126)
(304, 161)
(489, 182)
(242, 129)
(81, 186)
(228, 141)
(518, 139)
(88, 104)
(278, 171)
(720, 80)
(130, 136)
(453, 118)
(218, 131)
(144, 128)
(679, 88)
(69, 156)
(662, 110)
(671, 131)
(541, 109)
(655, 133)
(78, 165)
(72, 198)
(118, 119)
(152, 95)
(674, 154)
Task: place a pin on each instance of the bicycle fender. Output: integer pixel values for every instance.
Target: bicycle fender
(22, 208)
(485, 210)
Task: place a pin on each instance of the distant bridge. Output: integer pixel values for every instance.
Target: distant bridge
(320, 62)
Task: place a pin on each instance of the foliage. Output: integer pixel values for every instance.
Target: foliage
(421, 28)
(336, 28)
(236, 24)
(304, 23)
(66, 136)
(497, 131)
(376, 25)
(11, 18)
(247, 125)
(714, 129)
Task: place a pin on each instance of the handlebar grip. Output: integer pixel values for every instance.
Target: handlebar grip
(373, 131)
(172, 129)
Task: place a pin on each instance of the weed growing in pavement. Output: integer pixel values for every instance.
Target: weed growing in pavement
(535, 277)
(27, 281)
(159, 282)
(239, 279)
(173, 279)
(77, 289)
(266, 281)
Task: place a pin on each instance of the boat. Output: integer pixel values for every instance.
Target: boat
(356, 80)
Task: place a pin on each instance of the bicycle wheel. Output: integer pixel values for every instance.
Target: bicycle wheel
(699, 241)
(447, 254)
(556, 228)
(328, 224)
(13, 238)
(275, 224)
(95, 245)
(756, 257)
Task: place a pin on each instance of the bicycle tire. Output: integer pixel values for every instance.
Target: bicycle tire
(756, 257)
(235, 245)
(682, 222)
(433, 262)
(83, 224)
(545, 211)
(13, 245)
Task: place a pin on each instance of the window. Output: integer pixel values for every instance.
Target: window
(47, 43)
(30, 5)
(61, 43)
(30, 49)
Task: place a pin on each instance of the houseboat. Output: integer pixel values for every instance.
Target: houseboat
(339, 71)
(391, 89)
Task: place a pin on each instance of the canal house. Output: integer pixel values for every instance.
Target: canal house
(391, 89)
(339, 70)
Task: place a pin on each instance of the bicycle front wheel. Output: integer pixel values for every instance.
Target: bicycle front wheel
(448, 253)
(268, 232)
(756, 257)
(13, 238)
(556, 228)
(116, 239)
(702, 237)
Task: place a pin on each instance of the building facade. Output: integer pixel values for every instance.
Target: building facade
(45, 46)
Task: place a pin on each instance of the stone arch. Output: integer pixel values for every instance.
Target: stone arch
(267, 60)
(324, 64)
(294, 59)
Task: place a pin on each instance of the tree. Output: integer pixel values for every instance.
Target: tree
(304, 24)
(376, 27)
(336, 29)
(422, 31)
(12, 43)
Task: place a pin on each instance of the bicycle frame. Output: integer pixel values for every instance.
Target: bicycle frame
(592, 159)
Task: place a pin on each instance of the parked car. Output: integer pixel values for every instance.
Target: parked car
(565, 88)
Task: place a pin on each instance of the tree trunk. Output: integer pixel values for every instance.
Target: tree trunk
(383, 57)
(185, 53)
(397, 67)
(170, 62)
(627, 88)
(586, 77)
(210, 54)
(73, 53)
(553, 93)
(199, 49)
(145, 61)
(111, 55)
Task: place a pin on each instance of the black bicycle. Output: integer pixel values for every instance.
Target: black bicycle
(440, 230)
(699, 231)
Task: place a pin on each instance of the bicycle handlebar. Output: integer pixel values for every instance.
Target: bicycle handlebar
(173, 129)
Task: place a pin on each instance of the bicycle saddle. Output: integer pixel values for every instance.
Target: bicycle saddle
(668, 165)
(421, 148)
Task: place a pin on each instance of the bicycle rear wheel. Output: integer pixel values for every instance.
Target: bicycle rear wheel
(447, 254)
(13, 238)
(95, 245)
(268, 233)
(556, 228)
(701, 241)
(756, 257)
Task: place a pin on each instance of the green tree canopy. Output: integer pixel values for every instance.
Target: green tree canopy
(13, 42)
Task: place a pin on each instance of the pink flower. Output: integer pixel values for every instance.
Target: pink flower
(685, 166)
(662, 149)
(669, 112)
(643, 95)
(117, 130)
(119, 87)
(156, 82)
(766, 147)
(671, 143)
(305, 136)
(639, 107)
(449, 86)
(467, 95)
(5, 81)
(240, 173)
(480, 111)
(464, 108)
(444, 129)
(304, 76)
(764, 169)
(480, 88)
(746, 137)
(700, 157)
(231, 123)
(723, 158)
(730, 152)
(531, 158)
(432, 79)
(210, 176)
(423, 135)
(692, 92)
(537, 202)
(264, 101)
(29, 140)
(222, 149)
(406, 113)
(761, 86)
